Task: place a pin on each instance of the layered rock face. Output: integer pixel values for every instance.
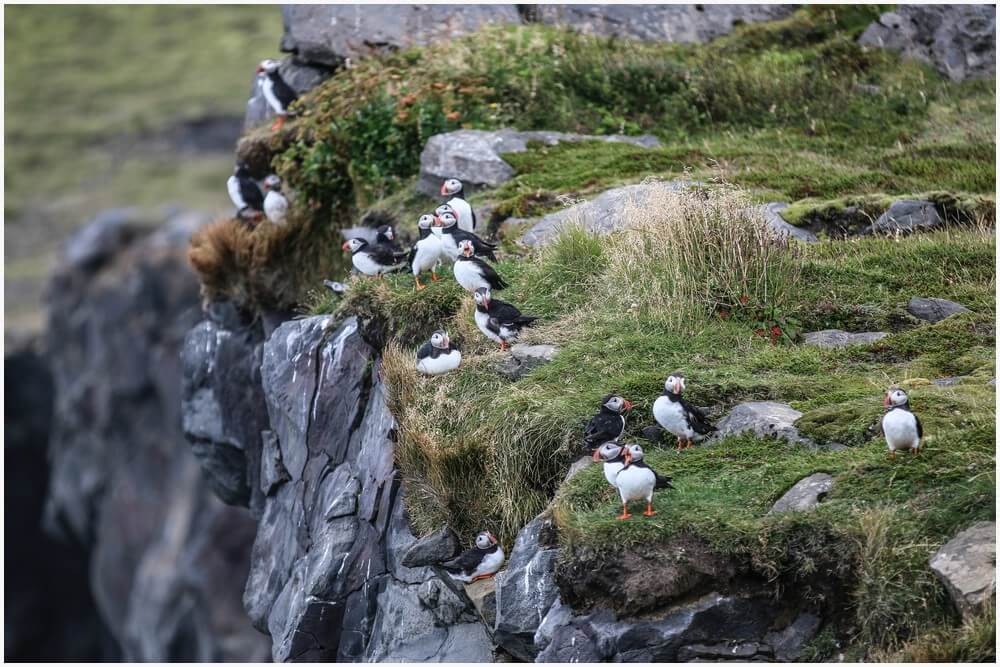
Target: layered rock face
(167, 558)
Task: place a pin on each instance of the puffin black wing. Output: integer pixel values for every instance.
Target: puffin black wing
(425, 350)
(384, 255)
(697, 418)
(479, 246)
(602, 428)
(285, 93)
(920, 428)
(489, 274)
(251, 194)
(507, 314)
(467, 561)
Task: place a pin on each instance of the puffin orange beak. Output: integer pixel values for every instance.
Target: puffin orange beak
(886, 401)
(467, 251)
(628, 457)
(437, 221)
(346, 245)
(447, 341)
(597, 455)
(628, 405)
(493, 539)
(259, 69)
(444, 193)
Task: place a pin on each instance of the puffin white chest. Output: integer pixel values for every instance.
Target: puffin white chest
(364, 263)
(635, 483)
(900, 428)
(449, 246)
(468, 276)
(481, 321)
(463, 211)
(490, 563)
(233, 186)
(611, 470)
(275, 207)
(428, 254)
(670, 415)
(440, 364)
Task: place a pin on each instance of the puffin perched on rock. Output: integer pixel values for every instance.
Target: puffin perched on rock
(277, 92)
(609, 422)
(472, 272)
(498, 320)
(678, 416)
(275, 204)
(479, 562)
(901, 427)
(463, 210)
(246, 195)
(637, 481)
(438, 355)
(451, 235)
(426, 253)
(373, 260)
(613, 456)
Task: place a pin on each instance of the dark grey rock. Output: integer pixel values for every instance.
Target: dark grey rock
(98, 240)
(772, 213)
(966, 565)
(272, 470)
(432, 549)
(959, 40)
(932, 310)
(525, 590)
(483, 596)
(805, 495)
(557, 616)
(573, 642)
(741, 651)
(830, 339)
(525, 358)
(767, 419)
(789, 642)
(447, 607)
(905, 216)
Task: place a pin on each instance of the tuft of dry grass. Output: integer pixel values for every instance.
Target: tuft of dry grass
(972, 641)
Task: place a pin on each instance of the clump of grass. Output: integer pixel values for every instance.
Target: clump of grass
(972, 641)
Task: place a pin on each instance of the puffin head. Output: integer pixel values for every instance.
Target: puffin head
(895, 397)
(354, 245)
(386, 231)
(442, 209)
(426, 221)
(633, 453)
(482, 297)
(447, 219)
(465, 247)
(241, 170)
(272, 182)
(607, 451)
(674, 384)
(485, 540)
(268, 66)
(451, 187)
(616, 404)
(440, 340)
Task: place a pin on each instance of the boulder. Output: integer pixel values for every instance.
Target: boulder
(772, 213)
(966, 565)
(767, 419)
(905, 216)
(601, 215)
(959, 40)
(830, 339)
(557, 616)
(432, 549)
(721, 651)
(788, 643)
(483, 595)
(525, 358)
(805, 495)
(474, 156)
(932, 310)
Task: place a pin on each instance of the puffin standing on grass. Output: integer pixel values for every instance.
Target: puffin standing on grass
(438, 355)
(463, 210)
(385, 235)
(472, 272)
(479, 562)
(373, 260)
(901, 427)
(277, 92)
(246, 196)
(609, 422)
(275, 204)
(426, 253)
(498, 320)
(637, 481)
(613, 456)
(678, 416)
(451, 235)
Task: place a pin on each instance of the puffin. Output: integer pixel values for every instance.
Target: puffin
(463, 210)
(438, 355)
(678, 416)
(277, 92)
(472, 272)
(246, 196)
(479, 562)
(426, 253)
(609, 422)
(373, 260)
(451, 235)
(275, 204)
(386, 236)
(498, 320)
(613, 456)
(901, 427)
(637, 481)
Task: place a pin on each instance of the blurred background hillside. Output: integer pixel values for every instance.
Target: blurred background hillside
(106, 104)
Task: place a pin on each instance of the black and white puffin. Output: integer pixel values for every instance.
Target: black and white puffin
(451, 235)
(385, 235)
(678, 416)
(426, 253)
(246, 195)
(373, 260)
(498, 320)
(637, 481)
(277, 92)
(472, 272)
(901, 427)
(613, 456)
(479, 562)
(463, 210)
(609, 422)
(438, 355)
(275, 204)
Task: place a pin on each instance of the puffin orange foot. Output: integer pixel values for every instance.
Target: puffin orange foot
(278, 124)
(434, 277)
(649, 510)
(481, 576)
(624, 516)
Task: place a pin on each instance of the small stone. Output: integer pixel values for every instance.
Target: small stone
(947, 382)
(432, 549)
(966, 565)
(829, 339)
(905, 216)
(772, 213)
(767, 419)
(805, 495)
(653, 433)
(525, 358)
(933, 310)
(577, 466)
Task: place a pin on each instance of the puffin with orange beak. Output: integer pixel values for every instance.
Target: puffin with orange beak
(472, 272)
(463, 210)
(438, 355)
(451, 236)
(637, 481)
(277, 92)
(613, 456)
(678, 416)
(373, 260)
(609, 422)
(480, 562)
(901, 427)
(498, 320)
(426, 253)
